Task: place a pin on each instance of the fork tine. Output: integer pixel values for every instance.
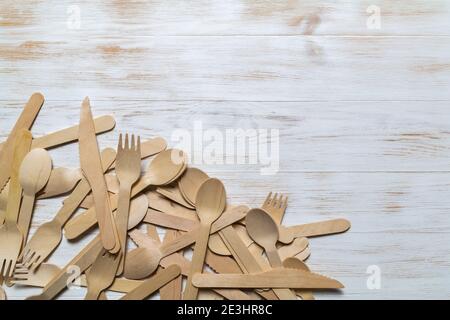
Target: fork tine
(138, 148)
(280, 201)
(38, 263)
(275, 200)
(268, 199)
(132, 142)
(284, 205)
(127, 146)
(120, 145)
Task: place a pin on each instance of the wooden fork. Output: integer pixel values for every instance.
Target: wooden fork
(275, 206)
(102, 273)
(11, 237)
(128, 170)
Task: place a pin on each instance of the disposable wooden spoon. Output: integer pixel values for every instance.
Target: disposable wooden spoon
(62, 180)
(264, 231)
(142, 262)
(25, 121)
(210, 204)
(11, 236)
(190, 183)
(34, 174)
(165, 167)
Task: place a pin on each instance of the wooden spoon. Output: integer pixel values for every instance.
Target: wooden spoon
(34, 174)
(264, 231)
(62, 180)
(190, 183)
(210, 204)
(167, 166)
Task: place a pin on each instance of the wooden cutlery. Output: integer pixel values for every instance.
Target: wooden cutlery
(62, 180)
(92, 168)
(102, 273)
(264, 231)
(128, 170)
(166, 167)
(249, 254)
(34, 174)
(143, 261)
(149, 286)
(190, 183)
(210, 204)
(314, 229)
(25, 121)
(48, 235)
(2, 294)
(11, 237)
(275, 278)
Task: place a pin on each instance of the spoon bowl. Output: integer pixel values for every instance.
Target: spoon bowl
(262, 228)
(135, 269)
(35, 171)
(210, 201)
(166, 167)
(190, 183)
(138, 210)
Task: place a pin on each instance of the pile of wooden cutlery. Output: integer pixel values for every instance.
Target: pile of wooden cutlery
(211, 248)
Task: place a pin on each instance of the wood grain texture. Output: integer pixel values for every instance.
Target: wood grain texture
(362, 113)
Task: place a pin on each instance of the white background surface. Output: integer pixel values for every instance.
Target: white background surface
(363, 114)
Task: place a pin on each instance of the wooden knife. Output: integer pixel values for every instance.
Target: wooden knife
(25, 121)
(92, 168)
(275, 278)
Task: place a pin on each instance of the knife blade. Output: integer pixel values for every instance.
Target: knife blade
(25, 121)
(92, 168)
(275, 278)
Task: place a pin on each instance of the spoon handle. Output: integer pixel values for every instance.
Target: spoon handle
(198, 259)
(122, 215)
(26, 212)
(275, 262)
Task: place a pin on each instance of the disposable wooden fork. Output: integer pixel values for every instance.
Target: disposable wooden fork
(128, 170)
(11, 237)
(275, 206)
(102, 273)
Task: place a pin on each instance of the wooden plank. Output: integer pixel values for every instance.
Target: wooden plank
(266, 68)
(232, 17)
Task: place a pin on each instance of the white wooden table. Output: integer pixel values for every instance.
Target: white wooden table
(363, 112)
